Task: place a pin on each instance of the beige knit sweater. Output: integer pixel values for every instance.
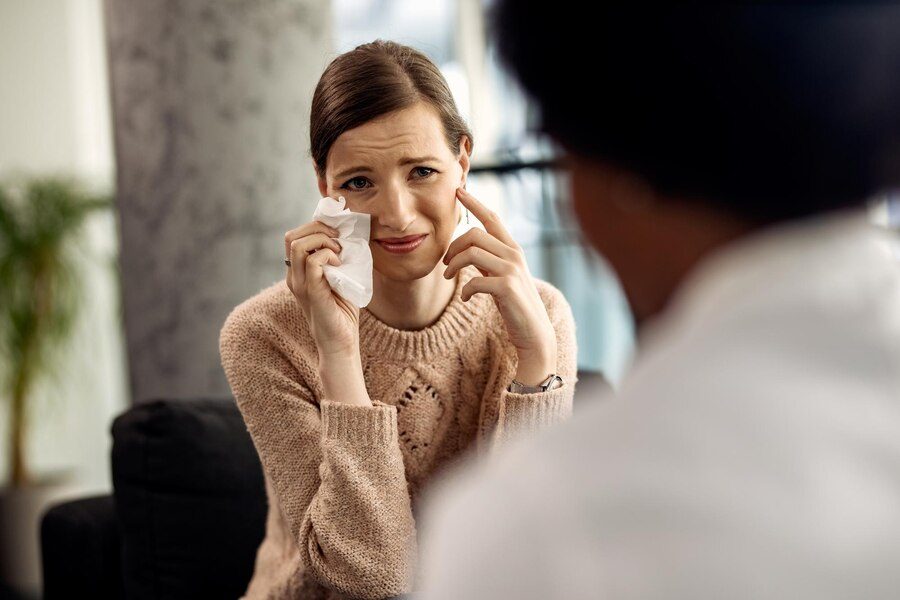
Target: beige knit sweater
(342, 480)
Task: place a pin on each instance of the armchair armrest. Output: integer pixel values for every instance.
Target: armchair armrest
(80, 549)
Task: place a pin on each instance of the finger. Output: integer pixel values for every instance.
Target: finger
(302, 247)
(488, 218)
(307, 229)
(315, 268)
(487, 263)
(312, 242)
(495, 286)
(479, 237)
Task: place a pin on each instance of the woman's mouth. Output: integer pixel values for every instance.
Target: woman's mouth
(405, 246)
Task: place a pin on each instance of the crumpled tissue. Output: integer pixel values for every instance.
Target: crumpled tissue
(352, 279)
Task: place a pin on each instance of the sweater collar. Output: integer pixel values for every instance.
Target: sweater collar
(449, 331)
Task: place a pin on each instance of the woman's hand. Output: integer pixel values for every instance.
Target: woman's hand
(334, 322)
(506, 277)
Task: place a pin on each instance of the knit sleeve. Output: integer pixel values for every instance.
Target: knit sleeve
(337, 468)
(525, 414)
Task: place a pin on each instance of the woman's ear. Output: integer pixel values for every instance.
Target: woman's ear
(320, 179)
(465, 151)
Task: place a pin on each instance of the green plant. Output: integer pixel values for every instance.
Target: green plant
(40, 292)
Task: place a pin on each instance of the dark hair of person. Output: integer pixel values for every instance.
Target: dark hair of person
(767, 110)
(375, 79)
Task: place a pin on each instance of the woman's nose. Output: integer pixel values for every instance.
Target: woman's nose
(395, 209)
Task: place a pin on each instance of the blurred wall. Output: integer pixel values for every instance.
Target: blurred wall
(54, 108)
(211, 107)
(54, 118)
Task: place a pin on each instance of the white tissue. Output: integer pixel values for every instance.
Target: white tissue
(352, 279)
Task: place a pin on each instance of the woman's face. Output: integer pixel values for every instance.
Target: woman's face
(372, 167)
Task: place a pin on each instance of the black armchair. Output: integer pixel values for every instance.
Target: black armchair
(185, 519)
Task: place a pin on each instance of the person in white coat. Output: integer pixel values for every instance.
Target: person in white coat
(723, 166)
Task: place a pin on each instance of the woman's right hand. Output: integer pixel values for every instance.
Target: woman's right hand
(333, 322)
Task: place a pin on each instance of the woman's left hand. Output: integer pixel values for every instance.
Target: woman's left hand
(501, 261)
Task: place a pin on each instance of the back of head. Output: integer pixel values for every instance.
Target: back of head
(770, 111)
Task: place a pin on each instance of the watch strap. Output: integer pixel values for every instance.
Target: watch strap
(517, 387)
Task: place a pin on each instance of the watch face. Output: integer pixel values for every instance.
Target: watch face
(553, 383)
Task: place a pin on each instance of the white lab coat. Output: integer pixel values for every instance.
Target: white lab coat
(752, 451)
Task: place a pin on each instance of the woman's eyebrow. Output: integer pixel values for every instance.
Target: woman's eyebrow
(403, 161)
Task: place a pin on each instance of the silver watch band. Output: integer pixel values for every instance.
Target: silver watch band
(551, 383)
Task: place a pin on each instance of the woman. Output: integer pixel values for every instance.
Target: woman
(353, 410)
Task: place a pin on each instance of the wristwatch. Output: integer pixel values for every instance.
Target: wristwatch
(551, 383)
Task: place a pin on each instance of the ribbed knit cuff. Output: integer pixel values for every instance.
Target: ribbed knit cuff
(376, 424)
(528, 413)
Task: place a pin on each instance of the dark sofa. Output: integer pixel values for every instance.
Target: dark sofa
(186, 517)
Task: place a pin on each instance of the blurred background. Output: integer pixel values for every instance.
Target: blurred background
(183, 126)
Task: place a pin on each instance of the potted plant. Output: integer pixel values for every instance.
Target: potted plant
(40, 295)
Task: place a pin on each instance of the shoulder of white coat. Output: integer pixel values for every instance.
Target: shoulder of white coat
(494, 500)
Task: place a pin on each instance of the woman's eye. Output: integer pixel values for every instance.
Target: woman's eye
(423, 172)
(353, 187)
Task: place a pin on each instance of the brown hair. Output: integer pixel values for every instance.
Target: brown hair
(372, 80)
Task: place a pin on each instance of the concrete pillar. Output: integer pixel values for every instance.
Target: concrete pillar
(211, 105)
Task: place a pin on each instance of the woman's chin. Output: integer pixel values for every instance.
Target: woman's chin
(408, 270)
(393, 269)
